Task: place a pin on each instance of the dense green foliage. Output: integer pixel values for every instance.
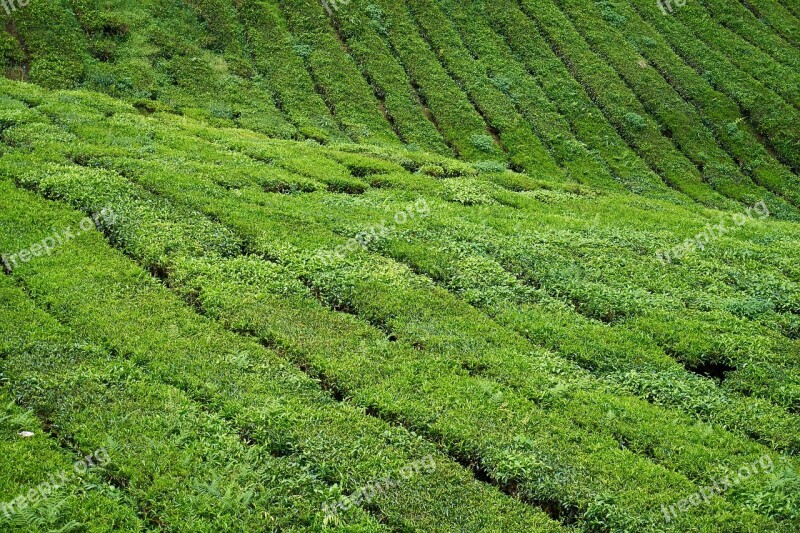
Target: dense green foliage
(268, 254)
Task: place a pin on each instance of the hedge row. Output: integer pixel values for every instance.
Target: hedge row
(472, 271)
(761, 293)
(462, 358)
(609, 300)
(761, 359)
(679, 118)
(372, 380)
(335, 74)
(324, 449)
(335, 442)
(389, 303)
(719, 112)
(38, 463)
(599, 307)
(548, 261)
(278, 62)
(526, 151)
(185, 469)
(217, 207)
(776, 120)
(457, 119)
(379, 65)
(620, 105)
(298, 159)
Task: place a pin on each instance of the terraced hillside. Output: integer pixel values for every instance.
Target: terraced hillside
(423, 265)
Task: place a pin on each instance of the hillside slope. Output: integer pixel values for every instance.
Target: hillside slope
(429, 265)
(612, 94)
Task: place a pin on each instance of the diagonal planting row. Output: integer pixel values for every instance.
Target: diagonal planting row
(114, 36)
(52, 43)
(773, 118)
(336, 75)
(390, 82)
(745, 24)
(781, 78)
(791, 7)
(254, 99)
(581, 163)
(774, 15)
(274, 58)
(525, 150)
(718, 111)
(619, 104)
(743, 146)
(677, 116)
(575, 103)
(620, 101)
(464, 129)
(158, 74)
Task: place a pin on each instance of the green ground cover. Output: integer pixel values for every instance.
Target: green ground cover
(520, 265)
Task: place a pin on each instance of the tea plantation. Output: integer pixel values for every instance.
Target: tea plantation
(410, 265)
